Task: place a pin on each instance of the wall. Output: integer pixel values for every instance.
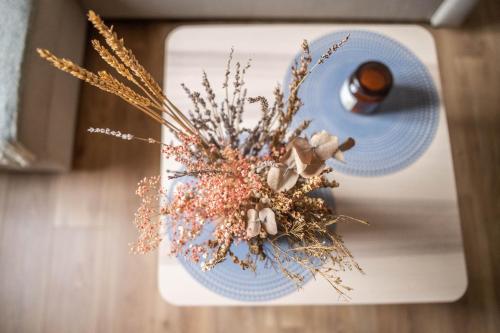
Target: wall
(394, 10)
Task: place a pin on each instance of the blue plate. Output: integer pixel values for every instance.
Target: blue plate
(399, 132)
(229, 280)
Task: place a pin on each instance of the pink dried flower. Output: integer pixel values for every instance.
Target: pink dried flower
(216, 195)
(146, 221)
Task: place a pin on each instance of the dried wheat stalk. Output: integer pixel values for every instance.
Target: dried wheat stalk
(149, 98)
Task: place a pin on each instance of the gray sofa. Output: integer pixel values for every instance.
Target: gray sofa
(38, 104)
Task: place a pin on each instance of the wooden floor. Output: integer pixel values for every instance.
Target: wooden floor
(64, 261)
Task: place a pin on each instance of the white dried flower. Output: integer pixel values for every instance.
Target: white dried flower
(264, 217)
(304, 158)
(107, 131)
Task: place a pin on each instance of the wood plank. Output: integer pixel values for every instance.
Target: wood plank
(64, 262)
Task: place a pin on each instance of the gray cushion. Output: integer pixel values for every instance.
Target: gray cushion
(14, 25)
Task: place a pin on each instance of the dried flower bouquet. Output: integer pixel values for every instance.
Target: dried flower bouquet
(255, 185)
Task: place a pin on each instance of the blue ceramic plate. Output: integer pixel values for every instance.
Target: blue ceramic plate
(229, 280)
(399, 132)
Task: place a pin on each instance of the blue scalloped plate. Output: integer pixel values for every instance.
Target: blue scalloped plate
(229, 280)
(399, 132)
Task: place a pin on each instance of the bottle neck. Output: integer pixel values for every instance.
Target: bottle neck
(371, 81)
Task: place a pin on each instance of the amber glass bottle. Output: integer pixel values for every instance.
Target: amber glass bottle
(366, 88)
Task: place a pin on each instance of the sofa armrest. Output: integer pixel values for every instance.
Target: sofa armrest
(43, 125)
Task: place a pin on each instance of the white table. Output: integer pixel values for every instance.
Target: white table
(412, 252)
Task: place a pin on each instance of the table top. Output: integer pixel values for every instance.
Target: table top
(412, 251)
